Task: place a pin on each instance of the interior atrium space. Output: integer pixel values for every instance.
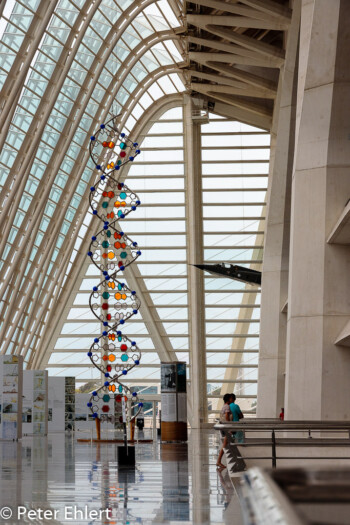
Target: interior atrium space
(174, 262)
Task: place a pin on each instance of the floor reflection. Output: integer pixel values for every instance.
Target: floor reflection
(170, 483)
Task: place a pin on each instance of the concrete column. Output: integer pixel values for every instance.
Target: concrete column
(196, 304)
(274, 290)
(317, 372)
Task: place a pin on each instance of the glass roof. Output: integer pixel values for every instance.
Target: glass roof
(65, 68)
(82, 69)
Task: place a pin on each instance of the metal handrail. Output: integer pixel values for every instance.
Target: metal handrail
(261, 425)
(274, 426)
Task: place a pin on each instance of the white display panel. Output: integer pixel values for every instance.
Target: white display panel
(84, 421)
(169, 412)
(69, 403)
(83, 417)
(182, 407)
(11, 377)
(56, 404)
(174, 396)
(35, 402)
(61, 404)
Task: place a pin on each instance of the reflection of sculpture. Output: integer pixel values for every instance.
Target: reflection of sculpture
(111, 250)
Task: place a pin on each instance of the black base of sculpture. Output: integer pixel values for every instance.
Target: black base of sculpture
(126, 457)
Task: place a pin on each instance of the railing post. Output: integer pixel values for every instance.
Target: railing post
(154, 419)
(273, 437)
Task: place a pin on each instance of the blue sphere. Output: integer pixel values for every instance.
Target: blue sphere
(133, 292)
(122, 268)
(94, 212)
(105, 272)
(138, 203)
(95, 288)
(119, 332)
(89, 254)
(121, 184)
(94, 393)
(105, 227)
(134, 243)
(102, 126)
(121, 233)
(122, 321)
(98, 167)
(106, 383)
(89, 404)
(107, 278)
(92, 188)
(133, 208)
(134, 311)
(105, 333)
(137, 362)
(106, 374)
(124, 372)
(93, 238)
(117, 167)
(141, 405)
(134, 394)
(105, 323)
(95, 415)
(138, 253)
(138, 151)
(103, 177)
(92, 138)
(96, 340)
(89, 354)
(131, 158)
(133, 343)
(136, 144)
(122, 135)
(122, 216)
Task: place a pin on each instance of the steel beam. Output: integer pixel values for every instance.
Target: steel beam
(275, 54)
(229, 58)
(237, 21)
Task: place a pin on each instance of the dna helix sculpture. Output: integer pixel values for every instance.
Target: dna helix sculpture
(111, 251)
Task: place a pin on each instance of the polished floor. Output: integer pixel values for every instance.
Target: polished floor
(58, 480)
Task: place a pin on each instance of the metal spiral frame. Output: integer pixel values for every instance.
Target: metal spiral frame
(111, 251)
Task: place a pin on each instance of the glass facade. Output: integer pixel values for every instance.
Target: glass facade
(64, 69)
(233, 229)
